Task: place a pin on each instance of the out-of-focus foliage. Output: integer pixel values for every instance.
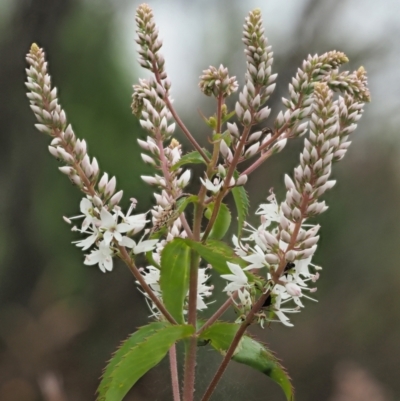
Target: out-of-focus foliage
(60, 320)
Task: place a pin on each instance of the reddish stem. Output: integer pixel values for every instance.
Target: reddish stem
(174, 373)
(229, 353)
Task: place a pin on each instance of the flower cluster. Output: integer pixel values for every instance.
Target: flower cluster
(103, 221)
(284, 243)
(149, 42)
(259, 85)
(314, 69)
(269, 271)
(263, 254)
(217, 82)
(149, 104)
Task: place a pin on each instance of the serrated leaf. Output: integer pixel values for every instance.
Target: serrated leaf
(139, 336)
(222, 222)
(191, 158)
(242, 206)
(174, 277)
(249, 352)
(257, 356)
(135, 361)
(216, 253)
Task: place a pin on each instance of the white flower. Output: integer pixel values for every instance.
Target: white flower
(183, 179)
(280, 312)
(239, 247)
(213, 187)
(270, 211)
(113, 230)
(289, 291)
(256, 259)
(102, 256)
(134, 223)
(302, 267)
(152, 278)
(87, 242)
(245, 299)
(293, 289)
(203, 290)
(141, 246)
(238, 278)
(87, 208)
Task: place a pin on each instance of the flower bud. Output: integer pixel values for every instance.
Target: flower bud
(293, 289)
(115, 199)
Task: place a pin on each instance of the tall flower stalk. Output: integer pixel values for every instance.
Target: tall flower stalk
(268, 268)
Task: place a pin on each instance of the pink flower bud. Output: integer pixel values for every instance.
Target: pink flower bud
(293, 289)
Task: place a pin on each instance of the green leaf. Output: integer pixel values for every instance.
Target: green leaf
(216, 253)
(191, 158)
(141, 352)
(174, 277)
(249, 352)
(228, 116)
(182, 203)
(225, 136)
(136, 338)
(220, 335)
(222, 222)
(242, 206)
(257, 356)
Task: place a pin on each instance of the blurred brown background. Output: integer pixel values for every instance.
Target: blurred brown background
(60, 320)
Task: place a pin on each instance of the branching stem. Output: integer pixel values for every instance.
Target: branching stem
(229, 353)
(135, 271)
(221, 310)
(178, 120)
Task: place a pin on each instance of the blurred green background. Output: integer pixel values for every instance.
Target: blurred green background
(60, 320)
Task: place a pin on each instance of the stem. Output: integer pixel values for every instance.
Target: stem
(128, 261)
(174, 373)
(191, 349)
(278, 132)
(221, 310)
(220, 102)
(180, 123)
(228, 177)
(186, 226)
(257, 163)
(190, 357)
(229, 353)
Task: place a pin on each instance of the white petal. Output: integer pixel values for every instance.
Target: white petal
(145, 246)
(93, 258)
(107, 220)
(237, 271)
(108, 236)
(283, 318)
(87, 242)
(108, 263)
(128, 242)
(124, 228)
(85, 206)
